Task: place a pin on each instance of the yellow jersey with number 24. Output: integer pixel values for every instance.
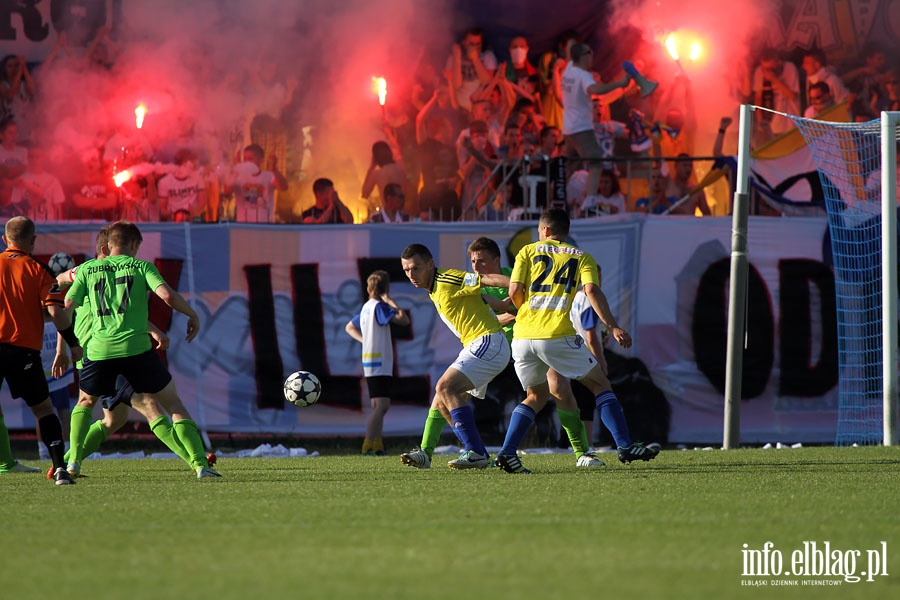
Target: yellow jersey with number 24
(551, 273)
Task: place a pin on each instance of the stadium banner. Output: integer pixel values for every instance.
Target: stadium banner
(274, 299)
(789, 383)
(33, 27)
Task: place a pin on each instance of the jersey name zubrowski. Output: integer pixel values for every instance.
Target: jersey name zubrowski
(126, 266)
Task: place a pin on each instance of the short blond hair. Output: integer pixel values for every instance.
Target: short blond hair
(379, 282)
(19, 230)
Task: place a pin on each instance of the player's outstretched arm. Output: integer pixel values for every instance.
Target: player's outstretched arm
(64, 280)
(601, 306)
(177, 302)
(504, 309)
(498, 305)
(505, 319)
(495, 280)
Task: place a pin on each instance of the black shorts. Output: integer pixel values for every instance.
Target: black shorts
(380, 386)
(146, 373)
(123, 395)
(24, 372)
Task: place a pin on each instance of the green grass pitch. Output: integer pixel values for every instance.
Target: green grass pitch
(362, 527)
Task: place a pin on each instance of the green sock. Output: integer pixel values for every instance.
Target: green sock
(6, 458)
(574, 426)
(187, 435)
(96, 435)
(78, 428)
(434, 425)
(162, 428)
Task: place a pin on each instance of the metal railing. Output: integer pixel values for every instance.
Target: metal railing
(532, 206)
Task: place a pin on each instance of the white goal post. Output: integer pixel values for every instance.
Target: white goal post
(889, 122)
(737, 302)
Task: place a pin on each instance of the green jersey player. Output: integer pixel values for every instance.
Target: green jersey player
(86, 437)
(116, 289)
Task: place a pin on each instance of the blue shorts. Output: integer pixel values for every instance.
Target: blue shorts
(146, 373)
(60, 398)
(123, 395)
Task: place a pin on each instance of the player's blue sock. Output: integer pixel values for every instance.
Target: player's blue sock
(519, 423)
(612, 416)
(464, 426)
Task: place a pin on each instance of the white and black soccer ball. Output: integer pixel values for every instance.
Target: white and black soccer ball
(302, 388)
(60, 263)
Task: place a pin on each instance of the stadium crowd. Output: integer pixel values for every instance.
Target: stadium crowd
(478, 137)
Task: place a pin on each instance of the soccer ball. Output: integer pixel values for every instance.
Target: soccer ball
(302, 389)
(60, 262)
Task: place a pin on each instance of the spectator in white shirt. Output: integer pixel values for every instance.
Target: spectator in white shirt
(814, 65)
(38, 192)
(578, 86)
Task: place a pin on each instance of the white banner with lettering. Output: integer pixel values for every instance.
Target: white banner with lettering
(274, 299)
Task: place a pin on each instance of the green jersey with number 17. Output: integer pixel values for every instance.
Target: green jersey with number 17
(116, 289)
(551, 272)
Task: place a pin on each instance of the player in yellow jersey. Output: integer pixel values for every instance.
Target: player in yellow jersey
(546, 349)
(485, 257)
(457, 297)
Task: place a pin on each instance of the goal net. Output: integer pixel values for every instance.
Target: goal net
(859, 195)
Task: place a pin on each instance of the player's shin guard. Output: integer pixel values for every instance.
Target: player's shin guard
(51, 433)
(519, 423)
(163, 429)
(96, 435)
(79, 424)
(574, 426)
(434, 425)
(612, 416)
(466, 431)
(6, 458)
(187, 435)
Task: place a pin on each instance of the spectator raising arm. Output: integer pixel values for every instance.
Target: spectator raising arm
(422, 118)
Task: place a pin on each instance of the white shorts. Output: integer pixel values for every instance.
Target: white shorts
(568, 356)
(482, 360)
